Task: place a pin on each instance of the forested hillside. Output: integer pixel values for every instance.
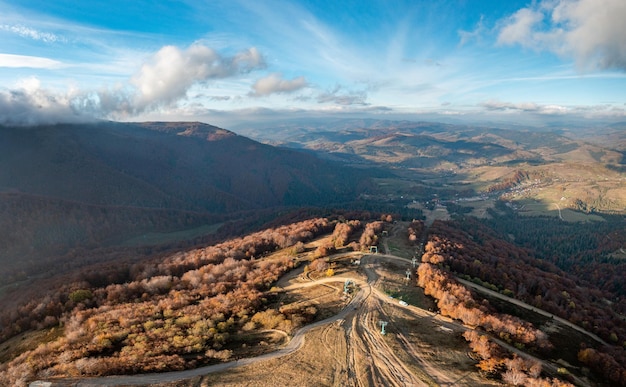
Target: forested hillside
(553, 272)
(188, 166)
(167, 313)
(69, 189)
(187, 302)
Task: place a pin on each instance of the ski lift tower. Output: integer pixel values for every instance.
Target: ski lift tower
(414, 261)
(347, 285)
(383, 324)
(408, 274)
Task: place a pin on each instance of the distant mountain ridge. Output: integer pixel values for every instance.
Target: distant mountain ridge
(433, 144)
(67, 187)
(191, 166)
(578, 167)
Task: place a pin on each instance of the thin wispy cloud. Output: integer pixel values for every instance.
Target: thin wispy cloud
(220, 97)
(524, 106)
(604, 110)
(475, 34)
(31, 33)
(21, 61)
(343, 97)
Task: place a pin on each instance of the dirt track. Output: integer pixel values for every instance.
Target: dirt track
(524, 305)
(356, 353)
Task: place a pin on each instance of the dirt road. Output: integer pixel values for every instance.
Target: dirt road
(524, 305)
(368, 357)
(372, 361)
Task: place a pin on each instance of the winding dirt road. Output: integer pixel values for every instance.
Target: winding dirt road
(370, 358)
(524, 305)
(359, 320)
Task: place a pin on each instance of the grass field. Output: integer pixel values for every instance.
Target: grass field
(529, 207)
(27, 341)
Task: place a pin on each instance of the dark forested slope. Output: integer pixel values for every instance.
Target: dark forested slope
(174, 165)
(97, 185)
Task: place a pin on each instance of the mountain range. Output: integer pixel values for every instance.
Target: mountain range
(105, 184)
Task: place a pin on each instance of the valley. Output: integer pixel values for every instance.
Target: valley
(188, 266)
(313, 193)
(459, 162)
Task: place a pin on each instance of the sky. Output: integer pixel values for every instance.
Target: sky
(232, 62)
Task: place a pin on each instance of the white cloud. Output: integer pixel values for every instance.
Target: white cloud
(162, 82)
(29, 104)
(31, 33)
(528, 107)
(532, 108)
(248, 60)
(170, 73)
(476, 34)
(519, 28)
(499, 105)
(274, 83)
(16, 61)
(590, 31)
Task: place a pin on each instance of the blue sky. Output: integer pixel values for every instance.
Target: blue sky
(228, 62)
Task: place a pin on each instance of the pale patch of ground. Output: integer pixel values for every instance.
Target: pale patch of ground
(541, 208)
(439, 212)
(27, 341)
(480, 207)
(619, 254)
(490, 173)
(322, 361)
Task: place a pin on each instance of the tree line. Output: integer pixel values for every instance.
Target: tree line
(456, 301)
(471, 250)
(174, 313)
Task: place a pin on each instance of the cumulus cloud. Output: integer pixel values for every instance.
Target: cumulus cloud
(339, 97)
(171, 72)
(590, 31)
(161, 82)
(27, 32)
(274, 83)
(29, 104)
(519, 28)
